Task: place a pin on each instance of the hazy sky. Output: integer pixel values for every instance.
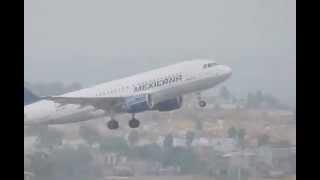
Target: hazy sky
(97, 40)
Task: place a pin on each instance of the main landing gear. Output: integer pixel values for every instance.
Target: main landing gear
(134, 123)
(113, 124)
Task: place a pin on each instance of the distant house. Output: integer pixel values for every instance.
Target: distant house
(218, 144)
(28, 175)
(223, 144)
(177, 141)
(275, 155)
(281, 113)
(73, 143)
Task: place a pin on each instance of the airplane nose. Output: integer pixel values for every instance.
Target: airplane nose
(227, 71)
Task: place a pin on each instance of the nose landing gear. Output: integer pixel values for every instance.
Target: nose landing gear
(201, 102)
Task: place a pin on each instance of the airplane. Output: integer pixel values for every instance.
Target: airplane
(156, 90)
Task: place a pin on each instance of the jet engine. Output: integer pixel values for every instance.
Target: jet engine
(169, 105)
(140, 103)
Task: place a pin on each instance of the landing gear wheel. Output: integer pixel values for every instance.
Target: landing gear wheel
(134, 123)
(202, 103)
(113, 124)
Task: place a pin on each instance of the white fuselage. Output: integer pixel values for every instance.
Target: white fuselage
(163, 83)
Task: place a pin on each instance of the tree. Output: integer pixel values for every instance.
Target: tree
(263, 139)
(35, 130)
(234, 99)
(189, 138)
(271, 101)
(282, 143)
(168, 141)
(114, 144)
(252, 100)
(27, 163)
(182, 157)
(41, 165)
(224, 93)
(74, 86)
(133, 137)
(199, 125)
(89, 134)
(259, 97)
(237, 134)
(49, 137)
(151, 152)
(73, 163)
(241, 133)
(232, 132)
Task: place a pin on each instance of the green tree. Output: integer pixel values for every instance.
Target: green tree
(35, 130)
(234, 99)
(73, 163)
(168, 141)
(272, 101)
(232, 132)
(133, 137)
(182, 157)
(282, 143)
(263, 139)
(89, 134)
(225, 93)
(252, 101)
(49, 137)
(149, 152)
(199, 125)
(41, 165)
(114, 144)
(189, 138)
(74, 86)
(242, 133)
(259, 97)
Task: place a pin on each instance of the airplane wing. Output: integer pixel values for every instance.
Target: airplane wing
(103, 103)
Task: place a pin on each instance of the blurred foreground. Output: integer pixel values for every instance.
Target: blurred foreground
(250, 138)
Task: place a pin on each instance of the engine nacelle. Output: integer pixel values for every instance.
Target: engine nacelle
(136, 104)
(169, 105)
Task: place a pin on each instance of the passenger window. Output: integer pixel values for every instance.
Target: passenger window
(212, 64)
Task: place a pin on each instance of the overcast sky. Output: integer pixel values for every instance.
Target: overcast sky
(97, 40)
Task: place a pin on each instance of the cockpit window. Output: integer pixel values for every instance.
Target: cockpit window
(212, 64)
(209, 65)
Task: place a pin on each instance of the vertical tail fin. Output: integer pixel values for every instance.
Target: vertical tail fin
(29, 97)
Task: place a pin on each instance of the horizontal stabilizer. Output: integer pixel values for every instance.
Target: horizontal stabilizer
(29, 97)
